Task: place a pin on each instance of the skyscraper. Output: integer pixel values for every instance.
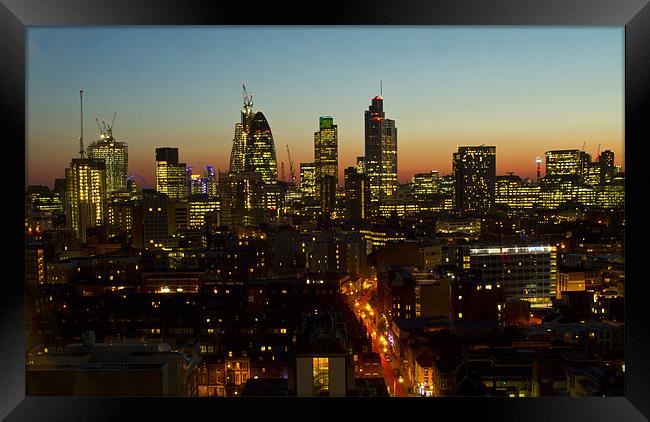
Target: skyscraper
(607, 166)
(85, 204)
(260, 159)
(171, 176)
(563, 162)
(260, 150)
(474, 169)
(381, 152)
(326, 163)
(424, 185)
(242, 129)
(155, 216)
(115, 155)
(357, 195)
(308, 180)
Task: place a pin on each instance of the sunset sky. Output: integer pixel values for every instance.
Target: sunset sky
(525, 90)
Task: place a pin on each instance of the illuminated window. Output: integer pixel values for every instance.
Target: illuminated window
(320, 373)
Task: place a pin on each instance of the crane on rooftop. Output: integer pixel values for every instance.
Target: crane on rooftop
(291, 168)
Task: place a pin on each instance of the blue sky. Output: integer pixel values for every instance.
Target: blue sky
(524, 89)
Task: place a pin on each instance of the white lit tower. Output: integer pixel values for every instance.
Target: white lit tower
(115, 155)
(85, 179)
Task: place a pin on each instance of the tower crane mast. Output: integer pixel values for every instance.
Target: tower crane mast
(291, 168)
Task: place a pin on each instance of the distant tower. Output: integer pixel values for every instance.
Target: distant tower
(608, 168)
(564, 162)
(171, 176)
(85, 190)
(308, 180)
(114, 153)
(538, 160)
(260, 150)
(474, 169)
(211, 181)
(380, 152)
(326, 163)
(86, 195)
(238, 152)
(357, 196)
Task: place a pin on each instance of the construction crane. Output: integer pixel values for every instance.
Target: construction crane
(583, 145)
(248, 98)
(291, 168)
(598, 153)
(283, 177)
(106, 130)
(110, 128)
(82, 152)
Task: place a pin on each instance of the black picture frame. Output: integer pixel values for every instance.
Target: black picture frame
(634, 15)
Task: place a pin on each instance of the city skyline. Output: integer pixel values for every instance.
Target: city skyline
(430, 120)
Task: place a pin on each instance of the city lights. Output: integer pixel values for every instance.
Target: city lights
(344, 275)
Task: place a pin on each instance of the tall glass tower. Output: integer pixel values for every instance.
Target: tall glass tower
(260, 150)
(116, 156)
(326, 163)
(242, 129)
(85, 204)
(381, 152)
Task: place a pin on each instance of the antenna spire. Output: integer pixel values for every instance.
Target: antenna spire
(381, 88)
(82, 153)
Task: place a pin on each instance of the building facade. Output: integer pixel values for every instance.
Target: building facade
(474, 169)
(85, 195)
(116, 158)
(380, 153)
(326, 163)
(171, 176)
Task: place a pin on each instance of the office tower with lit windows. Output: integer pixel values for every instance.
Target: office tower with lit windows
(201, 210)
(260, 158)
(155, 219)
(607, 166)
(474, 171)
(513, 193)
(242, 129)
(326, 163)
(205, 184)
(524, 272)
(424, 185)
(361, 165)
(116, 157)
(260, 150)
(211, 181)
(198, 185)
(85, 204)
(380, 153)
(357, 196)
(563, 162)
(308, 180)
(171, 176)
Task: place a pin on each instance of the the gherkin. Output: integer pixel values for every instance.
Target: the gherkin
(260, 150)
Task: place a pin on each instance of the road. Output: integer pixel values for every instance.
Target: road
(358, 301)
